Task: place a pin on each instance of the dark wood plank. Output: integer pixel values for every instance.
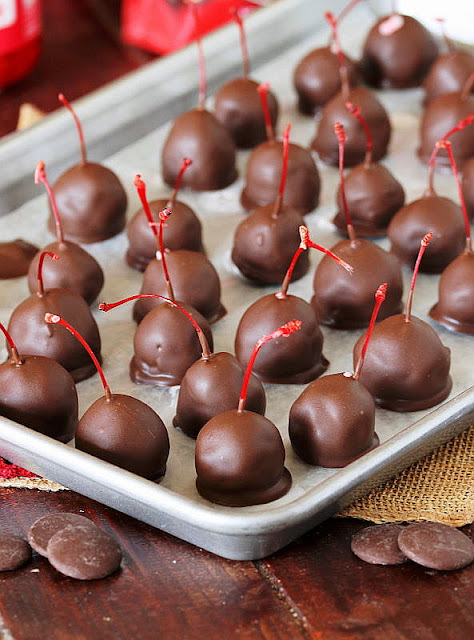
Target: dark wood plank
(81, 52)
(339, 597)
(165, 589)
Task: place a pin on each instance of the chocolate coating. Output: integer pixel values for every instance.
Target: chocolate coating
(325, 142)
(240, 460)
(332, 422)
(264, 245)
(317, 79)
(379, 544)
(455, 306)
(195, 282)
(429, 213)
(41, 395)
(126, 432)
(33, 336)
(92, 203)
(83, 553)
(436, 546)
(76, 270)
(238, 107)
(15, 258)
(448, 73)
(401, 58)
(263, 176)
(406, 367)
(212, 386)
(199, 135)
(441, 115)
(345, 301)
(468, 186)
(43, 529)
(14, 552)
(184, 232)
(373, 196)
(294, 360)
(166, 345)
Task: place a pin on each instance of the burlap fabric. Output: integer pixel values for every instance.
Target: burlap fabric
(439, 487)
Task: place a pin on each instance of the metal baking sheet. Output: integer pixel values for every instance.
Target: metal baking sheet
(174, 505)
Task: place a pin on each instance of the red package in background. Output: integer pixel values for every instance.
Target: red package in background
(163, 26)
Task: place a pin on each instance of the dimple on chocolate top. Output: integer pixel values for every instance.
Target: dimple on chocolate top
(429, 213)
(332, 422)
(76, 270)
(211, 386)
(345, 301)
(264, 245)
(263, 177)
(238, 107)
(41, 395)
(32, 335)
(15, 258)
(448, 73)
(293, 360)
(195, 282)
(373, 196)
(398, 53)
(455, 306)
(325, 141)
(441, 115)
(317, 79)
(92, 203)
(183, 231)
(406, 367)
(126, 432)
(240, 460)
(198, 134)
(166, 345)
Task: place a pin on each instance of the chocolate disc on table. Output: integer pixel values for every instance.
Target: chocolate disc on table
(379, 544)
(14, 552)
(46, 527)
(436, 546)
(83, 552)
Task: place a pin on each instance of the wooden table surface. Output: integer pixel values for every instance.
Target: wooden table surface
(168, 589)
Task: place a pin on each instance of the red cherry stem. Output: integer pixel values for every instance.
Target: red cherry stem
(424, 243)
(466, 90)
(355, 110)
(14, 351)
(184, 165)
(282, 332)
(243, 41)
(462, 124)
(444, 35)
(43, 255)
(164, 214)
(201, 60)
(82, 144)
(304, 244)
(263, 90)
(40, 176)
(52, 318)
(284, 171)
(206, 352)
(346, 10)
(448, 146)
(342, 61)
(341, 138)
(379, 298)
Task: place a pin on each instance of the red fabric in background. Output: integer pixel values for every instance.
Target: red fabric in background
(12, 471)
(162, 27)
